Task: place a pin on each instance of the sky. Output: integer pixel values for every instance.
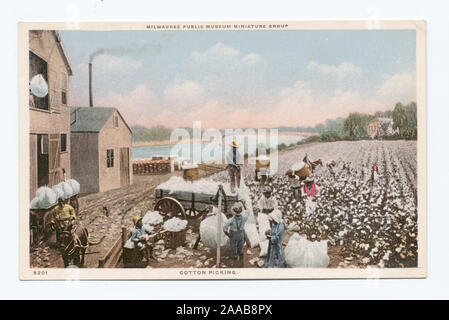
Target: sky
(242, 78)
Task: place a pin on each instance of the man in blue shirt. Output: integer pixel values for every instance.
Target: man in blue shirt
(234, 228)
(140, 238)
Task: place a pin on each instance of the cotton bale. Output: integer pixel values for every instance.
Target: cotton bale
(302, 253)
(208, 231)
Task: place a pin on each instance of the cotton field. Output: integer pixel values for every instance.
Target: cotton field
(375, 223)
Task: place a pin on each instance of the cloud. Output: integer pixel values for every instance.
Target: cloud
(400, 87)
(137, 107)
(225, 54)
(183, 95)
(217, 51)
(252, 59)
(341, 71)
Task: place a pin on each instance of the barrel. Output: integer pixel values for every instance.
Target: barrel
(191, 174)
(175, 239)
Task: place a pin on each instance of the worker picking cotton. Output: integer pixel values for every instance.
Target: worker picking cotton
(275, 254)
(267, 203)
(140, 238)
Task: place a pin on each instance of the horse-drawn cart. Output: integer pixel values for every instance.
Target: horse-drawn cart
(43, 204)
(182, 204)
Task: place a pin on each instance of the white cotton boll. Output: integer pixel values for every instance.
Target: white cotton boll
(205, 186)
(152, 218)
(175, 224)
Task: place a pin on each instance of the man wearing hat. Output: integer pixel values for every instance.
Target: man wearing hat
(63, 216)
(267, 203)
(234, 228)
(275, 255)
(234, 161)
(139, 237)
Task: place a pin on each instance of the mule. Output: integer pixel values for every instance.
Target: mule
(73, 243)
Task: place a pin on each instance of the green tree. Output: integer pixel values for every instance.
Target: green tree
(355, 124)
(399, 118)
(411, 131)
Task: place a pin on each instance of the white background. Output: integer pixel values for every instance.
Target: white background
(435, 12)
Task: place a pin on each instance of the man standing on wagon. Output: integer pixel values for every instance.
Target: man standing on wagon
(234, 161)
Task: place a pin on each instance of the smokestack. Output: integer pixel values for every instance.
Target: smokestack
(91, 104)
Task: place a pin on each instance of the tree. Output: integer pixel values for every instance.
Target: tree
(411, 131)
(399, 118)
(356, 123)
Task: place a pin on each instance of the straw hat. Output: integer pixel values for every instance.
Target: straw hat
(136, 219)
(237, 209)
(276, 216)
(267, 189)
(234, 144)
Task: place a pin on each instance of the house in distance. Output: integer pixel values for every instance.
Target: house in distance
(101, 147)
(380, 127)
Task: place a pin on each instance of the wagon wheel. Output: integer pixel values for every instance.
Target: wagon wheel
(170, 207)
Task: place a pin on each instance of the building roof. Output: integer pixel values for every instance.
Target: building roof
(382, 120)
(63, 53)
(89, 119)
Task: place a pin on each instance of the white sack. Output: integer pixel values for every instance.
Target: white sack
(251, 235)
(39, 86)
(74, 185)
(45, 198)
(66, 188)
(208, 231)
(302, 253)
(263, 248)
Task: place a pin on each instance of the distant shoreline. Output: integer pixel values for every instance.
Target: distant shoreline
(169, 142)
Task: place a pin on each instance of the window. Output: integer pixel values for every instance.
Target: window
(38, 66)
(109, 158)
(63, 142)
(115, 122)
(64, 89)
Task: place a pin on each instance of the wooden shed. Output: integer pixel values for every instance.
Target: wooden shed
(101, 146)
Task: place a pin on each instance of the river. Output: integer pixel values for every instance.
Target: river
(210, 151)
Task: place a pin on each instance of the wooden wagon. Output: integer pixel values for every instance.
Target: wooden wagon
(184, 203)
(40, 220)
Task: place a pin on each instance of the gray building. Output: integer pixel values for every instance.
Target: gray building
(101, 148)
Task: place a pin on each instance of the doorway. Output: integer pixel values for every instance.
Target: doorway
(124, 166)
(42, 160)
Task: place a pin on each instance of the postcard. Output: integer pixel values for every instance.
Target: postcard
(222, 150)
